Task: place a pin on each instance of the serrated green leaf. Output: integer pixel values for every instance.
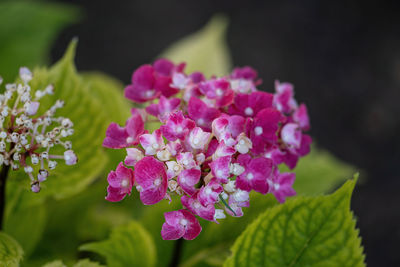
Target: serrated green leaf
(205, 50)
(307, 231)
(27, 29)
(129, 245)
(319, 172)
(11, 252)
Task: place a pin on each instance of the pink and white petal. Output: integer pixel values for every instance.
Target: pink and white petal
(187, 179)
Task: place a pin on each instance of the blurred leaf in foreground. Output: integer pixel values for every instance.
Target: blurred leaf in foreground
(27, 29)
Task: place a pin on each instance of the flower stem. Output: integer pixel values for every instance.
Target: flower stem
(3, 178)
(177, 253)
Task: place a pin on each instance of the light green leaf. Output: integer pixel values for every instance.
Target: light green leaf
(56, 263)
(29, 232)
(109, 92)
(87, 263)
(27, 29)
(319, 172)
(129, 245)
(81, 263)
(10, 251)
(205, 50)
(307, 231)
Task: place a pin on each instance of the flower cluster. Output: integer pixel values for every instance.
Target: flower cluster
(27, 138)
(217, 140)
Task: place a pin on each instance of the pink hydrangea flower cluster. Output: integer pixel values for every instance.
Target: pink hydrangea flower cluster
(218, 139)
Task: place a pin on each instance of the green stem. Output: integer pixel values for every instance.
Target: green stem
(3, 180)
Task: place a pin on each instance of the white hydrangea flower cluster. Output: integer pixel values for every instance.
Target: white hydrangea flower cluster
(26, 138)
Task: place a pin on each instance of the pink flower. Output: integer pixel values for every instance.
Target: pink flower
(246, 72)
(120, 183)
(151, 177)
(220, 169)
(237, 201)
(163, 109)
(133, 156)
(264, 128)
(180, 223)
(120, 137)
(291, 135)
(223, 150)
(201, 113)
(281, 185)
(255, 175)
(209, 194)
(177, 127)
(174, 147)
(198, 138)
(193, 204)
(186, 160)
(218, 90)
(152, 143)
(227, 128)
(248, 105)
(187, 179)
(284, 97)
(143, 87)
(301, 117)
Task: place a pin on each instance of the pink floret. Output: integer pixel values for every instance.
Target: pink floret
(151, 177)
(120, 183)
(180, 223)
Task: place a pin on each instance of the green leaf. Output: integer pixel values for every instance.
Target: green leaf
(29, 232)
(109, 92)
(129, 245)
(10, 251)
(81, 263)
(56, 263)
(87, 263)
(307, 231)
(27, 30)
(205, 50)
(319, 172)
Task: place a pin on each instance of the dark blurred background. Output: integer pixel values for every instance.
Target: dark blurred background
(344, 59)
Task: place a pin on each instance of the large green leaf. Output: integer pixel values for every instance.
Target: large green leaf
(129, 245)
(205, 50)
(307, 231)
(10, 251)
(27, 29)
(26, 225)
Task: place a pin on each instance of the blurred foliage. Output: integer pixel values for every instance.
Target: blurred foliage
(71, 206)
(129, 245)
(27, 30)
(11, 252)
